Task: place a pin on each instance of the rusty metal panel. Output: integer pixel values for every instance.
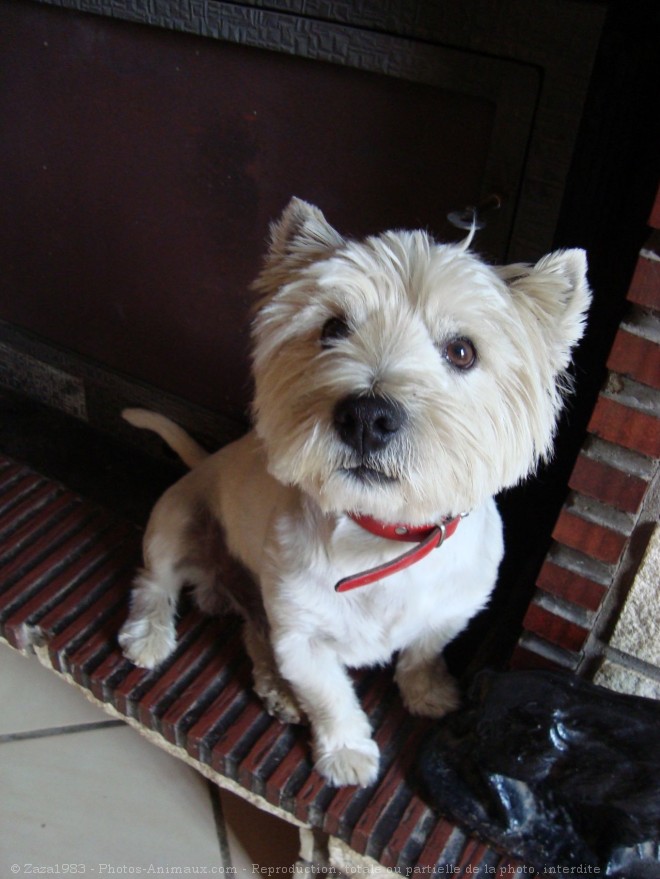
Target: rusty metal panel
(142, 168)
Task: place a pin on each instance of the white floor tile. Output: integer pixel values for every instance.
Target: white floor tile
(102, 797)
(34, 698)
(108, 796)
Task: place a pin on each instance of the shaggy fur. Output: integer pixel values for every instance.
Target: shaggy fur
(397, 378)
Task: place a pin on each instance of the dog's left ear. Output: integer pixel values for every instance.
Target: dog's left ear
(555, 296)
(300, 236)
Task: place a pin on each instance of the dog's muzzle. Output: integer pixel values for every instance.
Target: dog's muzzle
(368, 423)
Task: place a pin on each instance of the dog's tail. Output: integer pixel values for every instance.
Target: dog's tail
(190, 452)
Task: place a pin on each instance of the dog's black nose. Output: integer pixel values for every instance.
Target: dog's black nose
(368, 423)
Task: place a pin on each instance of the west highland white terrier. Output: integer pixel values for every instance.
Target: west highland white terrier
(400, 384)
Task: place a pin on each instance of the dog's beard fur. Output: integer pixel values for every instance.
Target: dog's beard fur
(468, 434)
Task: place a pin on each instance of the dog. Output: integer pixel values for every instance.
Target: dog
(400, 384)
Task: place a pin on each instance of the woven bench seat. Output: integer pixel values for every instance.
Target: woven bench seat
(66, 567)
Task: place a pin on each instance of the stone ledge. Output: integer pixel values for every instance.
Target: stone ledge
(637, 631)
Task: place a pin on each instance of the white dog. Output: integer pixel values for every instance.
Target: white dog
(400, 384)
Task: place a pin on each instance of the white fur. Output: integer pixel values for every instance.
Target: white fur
(282, 493)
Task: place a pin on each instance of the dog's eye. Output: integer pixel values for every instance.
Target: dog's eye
(334, 328)
(461, 353)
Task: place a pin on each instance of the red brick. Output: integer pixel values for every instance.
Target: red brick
(35, 538)
(128, 693)
(645, 285)
(252, 767)
(471, 858)
(384, 795)
(607, 484)
(636, 357)
(554, 629)
(408, 825)
(296, 762)
(222, 663)
(527, 660)
(572, 587)
(593, 540)
(156, 701)
(240, 734)
(84, 629)
(435, 844)
(626, 427)
(225, 705)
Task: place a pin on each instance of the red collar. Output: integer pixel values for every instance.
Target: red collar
(427, 538)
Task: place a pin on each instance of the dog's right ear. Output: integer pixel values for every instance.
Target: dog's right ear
(300, 236)
(302, 231)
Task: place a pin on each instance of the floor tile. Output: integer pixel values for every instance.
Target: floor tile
(34, 698)
(106, 796)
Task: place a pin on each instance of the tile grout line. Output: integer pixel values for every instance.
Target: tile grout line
(50, 732)
(220, 827)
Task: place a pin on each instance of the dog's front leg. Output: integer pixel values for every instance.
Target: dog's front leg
(426, 687)
(344, 751)
(269, 684)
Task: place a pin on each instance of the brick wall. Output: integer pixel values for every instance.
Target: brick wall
(596, 609)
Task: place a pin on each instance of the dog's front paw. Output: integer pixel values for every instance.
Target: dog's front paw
(276, 694)
(278, 699)
(351, 764)
(429, 694)
(146, 644)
